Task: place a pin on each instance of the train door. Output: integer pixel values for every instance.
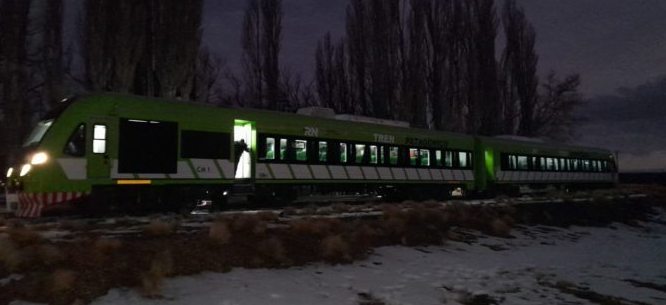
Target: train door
(99, 162)
(244, 149)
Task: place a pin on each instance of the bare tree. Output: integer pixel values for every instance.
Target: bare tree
(177, 38)
(519, 68)
(209, 71)
(261, 41)
(554, 112)
(52, 52)
(14, 78)
(113, 40)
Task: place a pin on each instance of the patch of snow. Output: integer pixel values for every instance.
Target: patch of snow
(598, 259)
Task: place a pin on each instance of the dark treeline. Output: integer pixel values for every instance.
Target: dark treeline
(433, 63)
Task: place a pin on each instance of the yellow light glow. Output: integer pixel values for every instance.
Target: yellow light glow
(10, 171)
(39, 158)
(25, 169)
(133, 182)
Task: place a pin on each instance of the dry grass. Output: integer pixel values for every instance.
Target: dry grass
(319, 227)
(219, 232)
(23, 236)
(252, 224)
(63, 281)
(272, 250)
(10, 255)
(335, 249)
(500, 227)
(152, 281)
(157, 228)
(49, 255)
(106, 246)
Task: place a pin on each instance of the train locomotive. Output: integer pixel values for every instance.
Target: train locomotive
(110, 151)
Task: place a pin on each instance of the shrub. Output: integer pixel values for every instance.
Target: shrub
(158, 228)
(219, 232)
(62, 281)
(152, 280)
(10, 255)
(249, 224)
(107, 246)
(335, 249)
(272, 249)
(24, 236)
(500, 227)
(315, 226)
(49, 255)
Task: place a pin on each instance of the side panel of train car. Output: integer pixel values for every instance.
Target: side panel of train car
(513, 162)
(132, 149)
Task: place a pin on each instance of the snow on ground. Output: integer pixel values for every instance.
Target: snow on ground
(522, 270)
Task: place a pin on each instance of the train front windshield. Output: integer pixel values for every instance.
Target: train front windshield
(38, 133)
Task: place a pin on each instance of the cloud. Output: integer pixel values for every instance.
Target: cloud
(633, 122)
(653, 161)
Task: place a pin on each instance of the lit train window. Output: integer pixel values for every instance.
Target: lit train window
(413, 156)
(99, 139)
(343, 152)
(374, 154)
(448, 159)
(270, 148)
(425, 157)
(393, 155)
(462, 158)
(360, 153)
(512, 162)
(382, 157)
(283, 149)
(522, 163)
(301, 150)
(323, 151)
(438, 157)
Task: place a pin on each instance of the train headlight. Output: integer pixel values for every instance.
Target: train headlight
(25, 169)
(10, 171)
(39, 158)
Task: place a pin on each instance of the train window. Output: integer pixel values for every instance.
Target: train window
(382, 156)
(323, 151)
(76, 145)
(394, 152)
(462, 159)
(283, 149)
(148, 147)
(448, 159)
(374, 154)
(425, 157)
(512, 162)
(343, 152)
(300, 150)
(522, 163)
(359, 153)
(438, 157)
(270, 148)
(99, 139)
(413, 156)
(204, 145)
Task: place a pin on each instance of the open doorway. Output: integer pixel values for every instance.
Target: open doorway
(243, 148)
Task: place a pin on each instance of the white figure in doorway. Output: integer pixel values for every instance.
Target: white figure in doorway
(243, 160)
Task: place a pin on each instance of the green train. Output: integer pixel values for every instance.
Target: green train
(128, 152)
